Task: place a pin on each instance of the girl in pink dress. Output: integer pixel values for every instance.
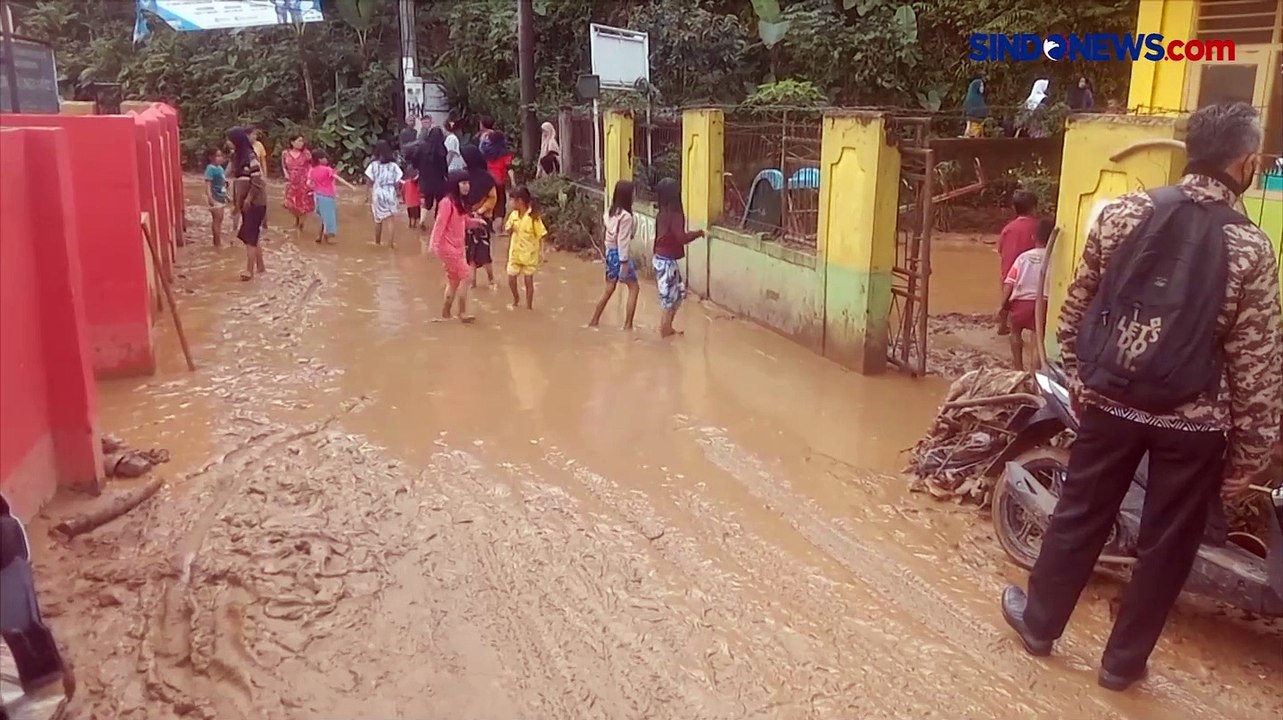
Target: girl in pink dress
(448, 232)
(295, 164)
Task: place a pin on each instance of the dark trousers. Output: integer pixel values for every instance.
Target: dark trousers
(1185, 473)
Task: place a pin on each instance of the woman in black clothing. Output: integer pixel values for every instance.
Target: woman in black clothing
(429, 157)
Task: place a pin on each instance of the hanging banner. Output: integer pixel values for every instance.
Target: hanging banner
(189, 15)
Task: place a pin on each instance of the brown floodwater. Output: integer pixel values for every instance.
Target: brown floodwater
(373, 515)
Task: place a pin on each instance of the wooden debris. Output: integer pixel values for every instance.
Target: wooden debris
(115, 507)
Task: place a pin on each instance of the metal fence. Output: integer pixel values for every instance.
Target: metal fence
(772, 175)
(583, 155)
(657, 153)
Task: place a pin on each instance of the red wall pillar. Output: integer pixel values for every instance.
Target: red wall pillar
(48, 400)
(112, 254)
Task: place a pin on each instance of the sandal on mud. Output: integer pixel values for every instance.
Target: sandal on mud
(467, 319)
(246, 277)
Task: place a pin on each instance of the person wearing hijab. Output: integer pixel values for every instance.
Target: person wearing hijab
(975, 110)
(481, 199)
(250, 196)
(549, 151)
(454, 154)
(1030, 122)
(1081, 98)
(430, 159)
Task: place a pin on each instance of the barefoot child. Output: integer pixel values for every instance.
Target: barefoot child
(216, 192)
(251, 198)
(385, 178)
(620, 226)
(322, 179)
(671, 239)
(1017, 237)
(448, 232)
(525, 246)
(1021, 290)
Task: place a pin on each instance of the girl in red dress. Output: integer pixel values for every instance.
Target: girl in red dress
(295, 163)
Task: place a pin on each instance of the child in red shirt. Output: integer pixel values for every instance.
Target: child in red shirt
(1017, 238)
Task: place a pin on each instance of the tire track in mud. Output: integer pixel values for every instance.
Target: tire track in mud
(643, 665)
(895, 583)
(837, 648)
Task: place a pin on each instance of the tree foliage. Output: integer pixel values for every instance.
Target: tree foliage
(338, 78)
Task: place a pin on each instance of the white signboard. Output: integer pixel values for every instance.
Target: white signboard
(620, 57)
(191, 15)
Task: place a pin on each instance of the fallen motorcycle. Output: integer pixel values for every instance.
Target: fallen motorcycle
(1238, 569)
(44, 684)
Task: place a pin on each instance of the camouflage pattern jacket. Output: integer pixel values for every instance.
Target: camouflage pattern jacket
(1249, 405)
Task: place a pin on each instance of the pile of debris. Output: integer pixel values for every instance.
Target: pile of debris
(968, 434)
(119, 461)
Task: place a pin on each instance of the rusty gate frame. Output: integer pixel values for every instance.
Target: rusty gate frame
(907, 319)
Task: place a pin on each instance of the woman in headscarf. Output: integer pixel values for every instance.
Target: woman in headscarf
(549, 151)
(481, 201)
(453, 146)
(975, 110)
(432, 161)
(250, 197)
(1081, 98)
(1030, 121)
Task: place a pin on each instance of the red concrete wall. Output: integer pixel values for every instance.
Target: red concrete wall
(48, 401)
(112, 254)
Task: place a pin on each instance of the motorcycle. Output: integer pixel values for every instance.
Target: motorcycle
(1236, 568)
(44, 683)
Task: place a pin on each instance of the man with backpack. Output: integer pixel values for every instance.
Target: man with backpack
(1172, 339)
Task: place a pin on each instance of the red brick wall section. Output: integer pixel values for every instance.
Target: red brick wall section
(48, 400)
(112, 254)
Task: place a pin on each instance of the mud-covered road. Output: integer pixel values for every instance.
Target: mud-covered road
(370, 515)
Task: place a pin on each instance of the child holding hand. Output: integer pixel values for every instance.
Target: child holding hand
(525, 247)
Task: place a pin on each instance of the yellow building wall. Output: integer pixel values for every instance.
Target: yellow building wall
(703, 187)
(1088, 179)
(1161, 85)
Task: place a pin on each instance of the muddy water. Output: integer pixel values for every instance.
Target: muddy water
(374, 515)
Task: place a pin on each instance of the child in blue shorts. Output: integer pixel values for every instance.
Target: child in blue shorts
(620, 226)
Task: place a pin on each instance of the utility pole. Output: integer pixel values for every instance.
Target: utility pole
(526, 69)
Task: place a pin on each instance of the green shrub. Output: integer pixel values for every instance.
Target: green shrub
(571, 213)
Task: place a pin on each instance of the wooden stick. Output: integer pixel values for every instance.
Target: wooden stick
(1260, 488)
(119, 505)
(1022, 398)
(169, 297)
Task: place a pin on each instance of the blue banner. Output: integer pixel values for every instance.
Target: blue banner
(189, 15)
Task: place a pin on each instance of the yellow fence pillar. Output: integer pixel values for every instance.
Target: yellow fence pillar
(617, 150)
(617, 163)
(703, 165)
(1089, 179)
(859, 191)
(1161, 85)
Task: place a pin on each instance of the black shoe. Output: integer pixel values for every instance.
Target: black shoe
(1119, 683)
(1013, 611)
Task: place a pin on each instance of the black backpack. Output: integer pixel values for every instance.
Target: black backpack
(1149, 337)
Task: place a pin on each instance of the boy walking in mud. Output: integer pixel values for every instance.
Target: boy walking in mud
(1017, 237)
(1021, 290)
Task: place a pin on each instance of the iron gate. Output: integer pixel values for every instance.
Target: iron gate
(911, 273)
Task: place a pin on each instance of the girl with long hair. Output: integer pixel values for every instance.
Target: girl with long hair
(295, 162)
(250, 194)
(384, 175)
(448, 232)
(620, 226)
(671, 239)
